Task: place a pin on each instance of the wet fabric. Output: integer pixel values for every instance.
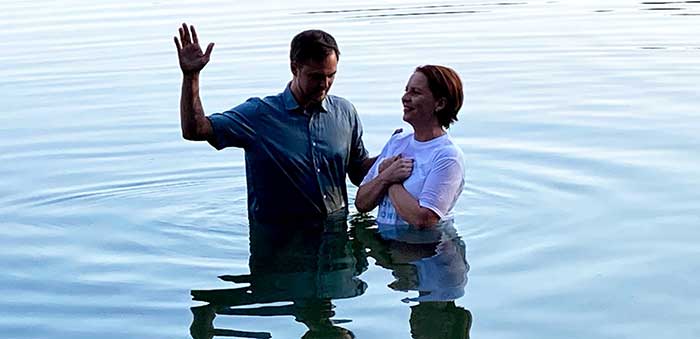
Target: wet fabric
(437, 178)
(296, 159)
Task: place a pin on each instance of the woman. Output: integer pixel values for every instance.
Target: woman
(418, 177)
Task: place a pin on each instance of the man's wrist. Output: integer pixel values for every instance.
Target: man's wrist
(190, 75)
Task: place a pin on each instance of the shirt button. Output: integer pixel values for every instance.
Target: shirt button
(325, 196)
(313, 143)
(318, 170)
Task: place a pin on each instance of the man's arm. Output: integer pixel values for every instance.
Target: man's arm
(193, 122)
(366, 165)
(357, 173)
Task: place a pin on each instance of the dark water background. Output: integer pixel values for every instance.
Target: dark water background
(581, 131)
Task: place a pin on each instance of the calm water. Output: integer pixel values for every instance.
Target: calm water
(579, 218)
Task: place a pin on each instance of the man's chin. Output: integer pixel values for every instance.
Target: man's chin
(320, 97)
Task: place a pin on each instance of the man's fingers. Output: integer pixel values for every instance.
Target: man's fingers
(194, 35)
(182, 37)
(210, 47)
(186, 38)
(177, 44)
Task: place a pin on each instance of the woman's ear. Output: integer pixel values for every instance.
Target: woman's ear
(440, 104)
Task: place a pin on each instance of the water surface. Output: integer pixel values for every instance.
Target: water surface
(580, 130)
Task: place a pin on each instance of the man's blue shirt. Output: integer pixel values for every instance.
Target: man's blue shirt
(296, 159)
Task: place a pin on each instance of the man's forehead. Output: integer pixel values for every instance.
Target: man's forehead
(319, 68)
(329, 60)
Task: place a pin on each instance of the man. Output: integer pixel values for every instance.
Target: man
(299, 144)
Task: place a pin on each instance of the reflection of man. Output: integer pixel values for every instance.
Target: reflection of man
(440, 319)
(430, 261)
(306, 266)
(299, 144)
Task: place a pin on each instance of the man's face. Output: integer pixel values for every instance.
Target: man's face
(312, 79)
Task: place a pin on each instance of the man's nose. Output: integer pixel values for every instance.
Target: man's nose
(325, 83)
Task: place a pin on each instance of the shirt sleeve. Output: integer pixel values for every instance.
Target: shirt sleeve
(442, 185)
(235, 127)
(358, 152)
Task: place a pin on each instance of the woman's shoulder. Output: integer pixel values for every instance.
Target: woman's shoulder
(400, 137)
(401, 133)
(448, 148)
(448, 152)
(397, 141)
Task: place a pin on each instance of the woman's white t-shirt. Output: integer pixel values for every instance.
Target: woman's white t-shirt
(437, 178)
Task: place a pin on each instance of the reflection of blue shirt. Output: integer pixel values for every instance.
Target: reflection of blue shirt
(296, 159)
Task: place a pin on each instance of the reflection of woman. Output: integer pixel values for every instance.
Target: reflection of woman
(418, 176)
(431, 261)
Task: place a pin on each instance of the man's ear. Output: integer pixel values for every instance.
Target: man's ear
(294, 67)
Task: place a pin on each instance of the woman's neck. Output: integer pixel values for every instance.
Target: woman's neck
(428, 133)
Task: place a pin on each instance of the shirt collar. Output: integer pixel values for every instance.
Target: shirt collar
(291, 104)
(325, 104)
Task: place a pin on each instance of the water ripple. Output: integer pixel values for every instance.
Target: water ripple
(579, 129)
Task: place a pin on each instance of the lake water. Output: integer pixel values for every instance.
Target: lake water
(580, 128)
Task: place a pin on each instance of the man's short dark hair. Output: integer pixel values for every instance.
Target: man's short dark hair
(314, 45)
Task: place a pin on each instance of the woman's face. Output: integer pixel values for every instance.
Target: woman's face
(419, 104)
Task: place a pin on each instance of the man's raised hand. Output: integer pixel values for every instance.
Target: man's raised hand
(190, 55)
